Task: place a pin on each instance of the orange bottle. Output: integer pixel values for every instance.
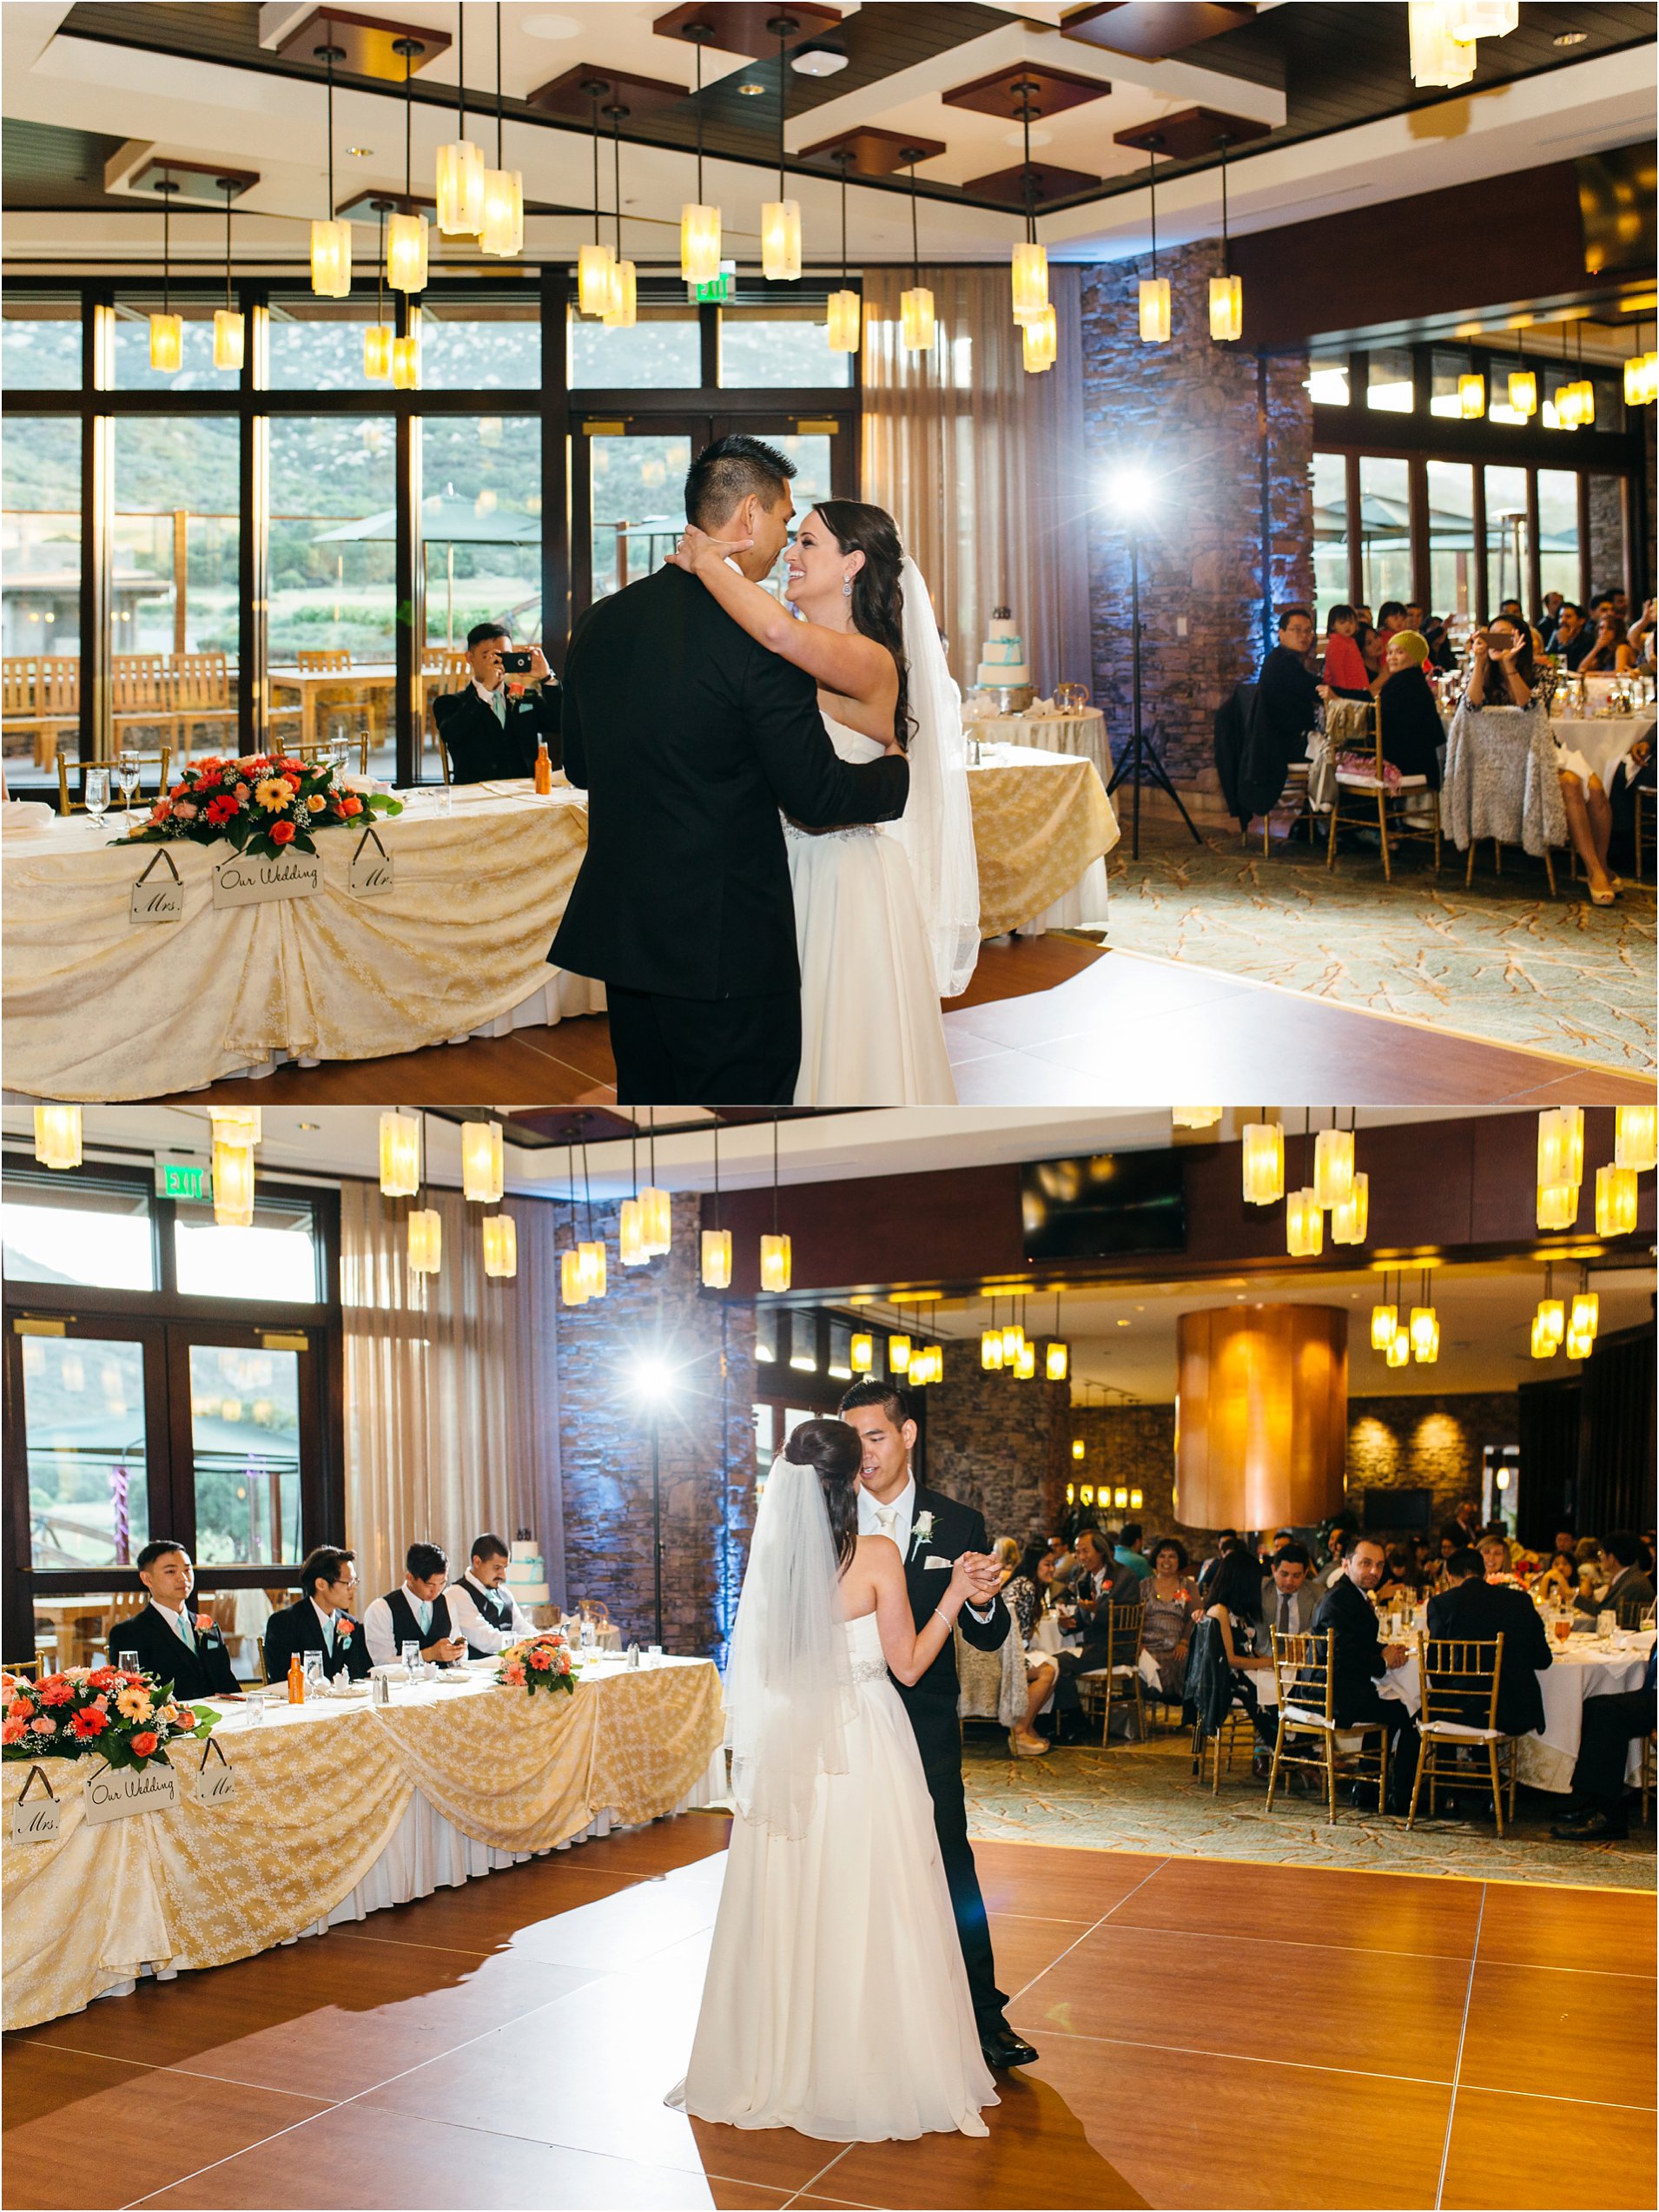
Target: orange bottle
(544, 769)
(296, 1681)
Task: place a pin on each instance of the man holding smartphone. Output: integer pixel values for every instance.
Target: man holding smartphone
(494, 727)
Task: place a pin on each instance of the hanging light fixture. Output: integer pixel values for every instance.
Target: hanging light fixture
(233, 1185)
(898, 1352)
(862, 1351)
(1549, 1321)
(1351, 1214)
(1561, 1165)
(229, 326)
(1264, 1163)
(240, 1126)
(1616, 1196)
(916, 306)
(1013, 1343)
(990, 1345)
(1040, 342)
(167, 329)
(57, 1136)
(1640, 377)
(1438, 56)
(1522, 384)
(1195, 1117)
(572, 1289)
(1030, 263)
(590, 1253)
(775, 1249)
(1635, 1137)
(483, 1162)
(1154, 289)
(1583, 1321)
(1304, 1225)
(1384, 1320)
(593, 263)
(1425, 1325)
(460, 166)
(501, 1245)
(699, 222)
(1057, 1360)
(331, 241)
(405, 356)
(1333, 1165)
(1025, 1364)
(379, 337)
(405, 233)
(846, 323)
(426, 1241)
(1399, 1352)
(630, 1235)
(1472, 19)
(1472, 392)
(717, 1242)
(1226, 291)
(1566, 393)
(780, 219)
(658, 1206)
(399, 1154)
(502, 231)
(621, 310)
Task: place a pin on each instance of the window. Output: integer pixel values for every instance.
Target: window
(1330, 533)
(244, 1444)
(75, 1230)
(1389, 385)
(480, 525)
(177, 569)
(1452, 539)
(317, 345)
(333, 544)
(40, 605)
(1327, 379)
(42, 347)
(195, 371)
(664, 348)
(1506, 538)
(480, 345)
(638, 508)
(780, 346)
(83, 1425)
(276, 1258)
(1385, 530)
(1558, 531)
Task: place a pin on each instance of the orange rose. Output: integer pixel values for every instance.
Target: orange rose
(144, 1742)
(281, 833)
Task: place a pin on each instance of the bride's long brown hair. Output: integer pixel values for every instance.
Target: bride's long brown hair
(833, 1451)
(878, 590)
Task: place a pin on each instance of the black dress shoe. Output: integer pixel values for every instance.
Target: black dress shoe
(1589, 1827)
(1002, 2048)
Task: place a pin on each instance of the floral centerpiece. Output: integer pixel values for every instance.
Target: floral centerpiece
(268, 803)
(126, 1718)
(541, 1663)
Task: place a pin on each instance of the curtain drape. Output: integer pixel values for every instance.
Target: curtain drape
(452, 1395)
(983, 466)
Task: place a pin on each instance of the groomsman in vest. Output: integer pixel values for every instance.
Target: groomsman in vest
(481, 1608)
(417, 1614)
(319, 1619)
(173, 1641)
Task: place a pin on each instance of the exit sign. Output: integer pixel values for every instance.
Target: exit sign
(180, 1180)
(719, 290)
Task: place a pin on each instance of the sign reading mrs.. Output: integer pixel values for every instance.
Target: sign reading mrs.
(246, 880)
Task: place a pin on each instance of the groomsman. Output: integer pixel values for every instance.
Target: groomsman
(482, 1609)
(493, 726)
(172, 1641)
(319, 1619)
(416, 1613)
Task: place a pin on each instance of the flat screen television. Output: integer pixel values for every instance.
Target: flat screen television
(1389, 1512)
(1104, 1205)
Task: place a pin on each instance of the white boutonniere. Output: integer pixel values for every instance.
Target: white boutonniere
(920, 1529)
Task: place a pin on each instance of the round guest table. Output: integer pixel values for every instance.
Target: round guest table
(1083, 734)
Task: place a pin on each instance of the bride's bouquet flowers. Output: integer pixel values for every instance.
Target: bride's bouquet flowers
(542, 1662)
(268, 803)
(126, 1718)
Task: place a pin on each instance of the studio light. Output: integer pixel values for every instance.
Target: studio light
(501, 1245)
(399, 1153)
(57, 1136)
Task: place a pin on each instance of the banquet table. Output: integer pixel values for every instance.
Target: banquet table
(1083, 733)
(339, 1808)
(97, 1007)
(1605, 740)
(1043, 827)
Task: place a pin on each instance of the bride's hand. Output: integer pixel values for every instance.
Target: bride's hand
(963, 1584)
(694, 545)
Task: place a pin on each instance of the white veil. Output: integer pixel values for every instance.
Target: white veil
(936, 829)
(789, 1682)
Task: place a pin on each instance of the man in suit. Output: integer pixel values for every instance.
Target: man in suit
(319, 1619)
(1597, 1810)
(1473, 1609)
(1100, 1585)
(417, 1613)
(1360, 1658)
(691, 740)
(481, 1607)
(1625, 1582)
(171, 1641)
(1290, 1596)
(494, 727)
(932, 1532)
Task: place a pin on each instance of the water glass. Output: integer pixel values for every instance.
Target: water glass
(315, 1675)
(95, 794)
(128, 775)
(254, 1711)
(654, 1654)
(127, 1661)
(410, 1654)
(1606, 1622)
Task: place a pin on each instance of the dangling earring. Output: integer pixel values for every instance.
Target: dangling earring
(846, 587)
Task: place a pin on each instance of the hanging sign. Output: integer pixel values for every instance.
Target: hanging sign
(371, 873)
(37, 1822)
(116, 1793)
(162, 899)
(245, 880)
(215, 1784)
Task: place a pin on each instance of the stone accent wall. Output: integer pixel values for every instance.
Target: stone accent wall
(708, 1343)
(1191, 414)
(1607, 536)
(1001, 1445)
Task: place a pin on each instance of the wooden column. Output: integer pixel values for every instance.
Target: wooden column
(1261, 1415)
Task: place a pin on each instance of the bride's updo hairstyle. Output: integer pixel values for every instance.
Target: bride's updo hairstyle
(878, 594)
(834, 1454)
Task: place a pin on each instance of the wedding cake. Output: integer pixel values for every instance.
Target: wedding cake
(526, 1577)
(1004, 665)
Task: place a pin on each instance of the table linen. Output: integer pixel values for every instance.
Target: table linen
(1083, 734)
(1042, 821)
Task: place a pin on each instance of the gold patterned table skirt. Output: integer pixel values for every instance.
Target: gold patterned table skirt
(98, 1007)
(1040, 821)
(318, 1794)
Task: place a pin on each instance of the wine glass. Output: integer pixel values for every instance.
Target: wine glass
(95, 793)
(127, 775)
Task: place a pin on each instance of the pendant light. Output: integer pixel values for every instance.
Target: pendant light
(1549, 1321)
(717, 1242)
(1013, 1342)
(1586, 391)
(1030, 260)
(1304, 1219)
(1264, 1162)
(1057, 1361)
(1615, 1200)
(990, 1345)
(1333, 1165)
(1195, 1117)
(658, 1209)
(1472, 392)
(775, 1269)
(1399, 1352)
(916, 306)
(1154, 289)
(1641, 376)
(861, 1351)
(426, 1241)
(238, 1126)
(780, 219)
(1561, 1165)
(399, 1154)
(1635, 1137)
(699, 222)
(1226, 291)
(1583, 1320)
(167, 329)
(379, 337)
(1424, 1331)
(1384, 1319)
(406, 355)
(620, 309)
(57, 1136)
(501, 1245)
(460, 166)
(573, 1284)
(590, 1251)
(1566, 400)
(630, 1221)
(1439, 57)
(1025, 1361)
(1350, 1216)
(483, 1162)
(502, 232)
(406, 234)
(593, 263)
(229, 325)
(331, 241)
(1523, 383)
(846, 324)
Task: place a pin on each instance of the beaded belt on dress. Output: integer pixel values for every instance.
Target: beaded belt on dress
(793, 829)
(868, 1670)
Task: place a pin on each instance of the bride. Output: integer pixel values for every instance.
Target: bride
(886, 918)
(836, 2001)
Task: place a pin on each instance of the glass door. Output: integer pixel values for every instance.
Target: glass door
(628, 495)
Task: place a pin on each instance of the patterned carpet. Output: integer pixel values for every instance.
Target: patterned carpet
(1143, 1797)
(1501, 960)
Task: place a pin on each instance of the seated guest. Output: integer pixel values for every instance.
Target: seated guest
(1289, 1595)
(1172, 1598)
(1359, 1660)
(1557, 1581)
(1441, 654)
(1621, 1580)
(416, 1613)
(1413, 615)
(1020, 1595)
(1573, 637)
(1341, 1541)
(1406, 712)
(1128, 1552)
(1345, 672)
(318, 1620)
(1389, 622)
(494, 726)
(1233, 1602)
(1100, 1586)
(1494, 1549)
(1287, 698)
(172, 1640)
(1402, 1577)
(1609, 653)
(482, 1611)
(1227, 1542)
(1472, 1609)
(1598, 1806)
(1544, 621)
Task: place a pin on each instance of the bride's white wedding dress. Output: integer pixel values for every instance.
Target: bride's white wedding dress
(871, 1034)
(836, 2001)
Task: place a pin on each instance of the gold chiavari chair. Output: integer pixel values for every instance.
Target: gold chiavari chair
(1634, 1613)
(318, 747)
(1371, 786)
(67, 806)
(1120, 1676)
(36, 1667)
(1460, 1715)
(1305, 1677)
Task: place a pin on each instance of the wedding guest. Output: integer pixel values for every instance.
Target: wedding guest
(1494, 1552)
(1472, 1609)
(1359, 1660)
(1225, 1542)
(483, 1612)
(1170, 1594)
(1610, 654)
(318, 1621)
(1443, 655)
(494, 727)
(1558, 1581)
(1128, 1552)
(1345, 673)
(1467, 1518)
(1573, 637)
(1020, 1595)
(1341, 1541)
(1598, 1811)
(1101, 1586)
(1402, 1576)
(1287, 698)
(1289, 1595)
(417, 1613)
(1391, 622)
(1408, 717)
(1621, 1579)
(1233, 1602)
(171, 1639)
(1547, 617)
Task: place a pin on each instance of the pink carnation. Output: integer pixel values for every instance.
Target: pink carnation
(512, 1673)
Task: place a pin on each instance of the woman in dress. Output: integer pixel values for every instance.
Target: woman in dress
(836, 2001)
(1022, 1594)
(886, 917)
(1171, 1597)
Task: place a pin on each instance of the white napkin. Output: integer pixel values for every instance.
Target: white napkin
(26, 814)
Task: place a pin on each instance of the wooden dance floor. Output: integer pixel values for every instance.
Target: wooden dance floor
(1212, 2033)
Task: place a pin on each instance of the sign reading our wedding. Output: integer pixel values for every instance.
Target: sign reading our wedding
(116, 1793)
(159, 898)
(35, 1818)
(371, 872)
(215, 1778)
(245, 880)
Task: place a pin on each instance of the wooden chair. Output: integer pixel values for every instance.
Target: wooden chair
(40, 697)
(1368, 788)
(1645, 837)
(67, 806)
(324, 661)
(1304, 1677)
(1120, 1676)
(36, 1666)
(1634, 1613)
(443, 757)
(1236, 1726)
(200, 691)
(318, 747)
(141, 693)
(1460, 1714)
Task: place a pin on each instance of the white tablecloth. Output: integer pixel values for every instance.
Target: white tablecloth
(1082, 733)
(1605, 740)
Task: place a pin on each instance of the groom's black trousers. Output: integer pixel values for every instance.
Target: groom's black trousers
(938, 1738)
(704, 1052)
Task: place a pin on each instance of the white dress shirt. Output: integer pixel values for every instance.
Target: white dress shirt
(469, 1624)
(493, 700)
(175, 1623)
(382, 1636)
(903, 1509)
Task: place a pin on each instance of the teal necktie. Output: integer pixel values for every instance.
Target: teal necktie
(423, 1613)
(185, 1630)
(328, 1636)
(498, 701)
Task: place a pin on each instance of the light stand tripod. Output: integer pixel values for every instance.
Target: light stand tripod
(1141, 760)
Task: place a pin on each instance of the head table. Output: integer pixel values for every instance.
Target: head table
(339, 1808)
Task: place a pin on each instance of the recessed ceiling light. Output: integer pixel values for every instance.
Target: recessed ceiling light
(1038, 138)
(752, 91)
(1570, 39)
(310, 1124)
(819, 60)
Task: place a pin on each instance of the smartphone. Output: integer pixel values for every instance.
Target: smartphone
(516, 664)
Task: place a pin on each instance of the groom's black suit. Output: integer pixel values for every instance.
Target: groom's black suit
(690, 738)
(931, 1703)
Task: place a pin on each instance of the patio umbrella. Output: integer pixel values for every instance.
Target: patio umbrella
(448, 520)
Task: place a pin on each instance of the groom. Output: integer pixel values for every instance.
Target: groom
(932, 1532)
(690, 739)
